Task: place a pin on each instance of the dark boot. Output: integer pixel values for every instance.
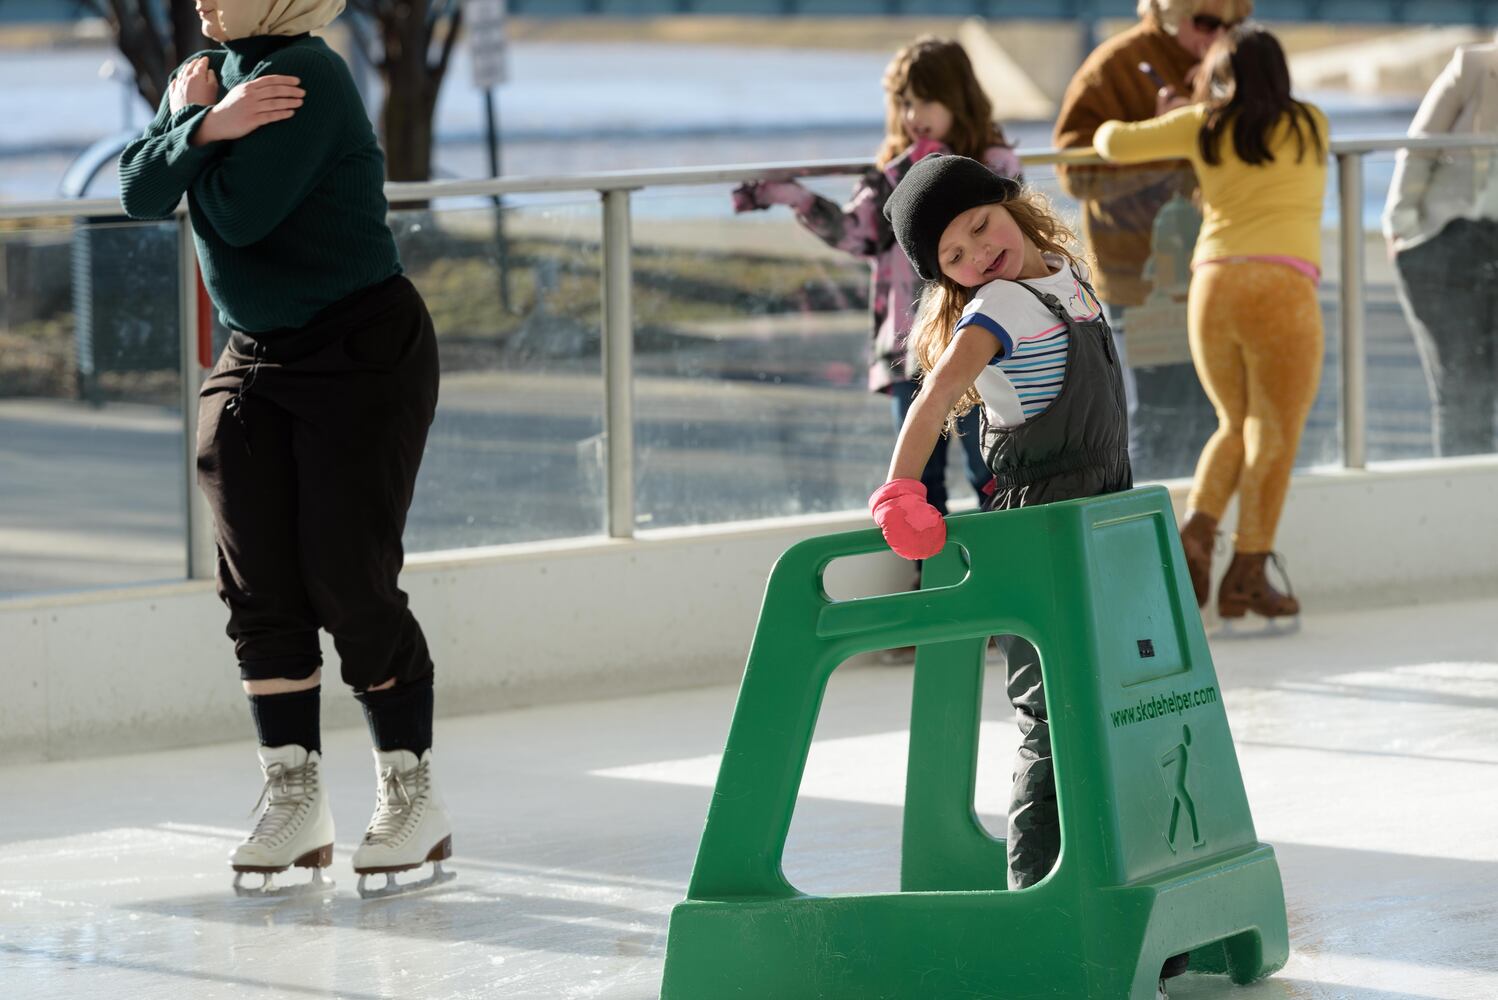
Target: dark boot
(1245, 587)
(1198, 536)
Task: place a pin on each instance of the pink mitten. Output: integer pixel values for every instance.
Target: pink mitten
(763, 194)
(913, 528)
(896, 169)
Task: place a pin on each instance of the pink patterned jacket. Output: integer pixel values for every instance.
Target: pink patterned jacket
(859, 227)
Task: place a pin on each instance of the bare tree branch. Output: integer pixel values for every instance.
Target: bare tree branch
(186, 32)
(434, 14)
(364, 40)
(410, 42)
(454, 29)
(140, 43)
(374, 8)
(148, 15)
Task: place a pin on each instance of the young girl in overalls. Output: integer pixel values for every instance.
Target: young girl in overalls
(1010, 327)
(933, 103)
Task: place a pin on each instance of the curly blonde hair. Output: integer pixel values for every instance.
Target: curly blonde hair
(943, 300)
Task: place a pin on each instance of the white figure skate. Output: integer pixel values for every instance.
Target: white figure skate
(409, 827)
(295, 830)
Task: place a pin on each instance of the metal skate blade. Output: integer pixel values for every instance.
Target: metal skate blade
(394, 888)
(1211, 620)
(318, 885)
(1255, 627)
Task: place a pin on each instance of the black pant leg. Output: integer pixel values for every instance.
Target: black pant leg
(245, 469)
(1034, 824)
(358, 444)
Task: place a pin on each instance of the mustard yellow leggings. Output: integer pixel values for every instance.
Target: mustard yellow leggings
(1256, 339)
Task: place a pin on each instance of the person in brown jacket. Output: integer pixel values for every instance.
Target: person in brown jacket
(1139, 74)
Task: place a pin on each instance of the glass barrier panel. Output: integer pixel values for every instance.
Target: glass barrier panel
(515, 453)
(1139, 236)
(1321, 440)
(1140, 245)
(751, 360)
(753, 338)
(1432, 294)
(91, 438)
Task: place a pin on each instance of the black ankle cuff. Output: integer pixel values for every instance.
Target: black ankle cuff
(400, 717)
(294, 718)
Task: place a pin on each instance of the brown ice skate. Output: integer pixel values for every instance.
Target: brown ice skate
(1198, 536)
(1245, 587)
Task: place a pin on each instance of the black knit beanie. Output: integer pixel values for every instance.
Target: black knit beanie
(934, 192)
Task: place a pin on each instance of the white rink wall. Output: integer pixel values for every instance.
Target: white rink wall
(149, 667)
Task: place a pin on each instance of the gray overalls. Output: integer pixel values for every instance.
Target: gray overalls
(1078, 447)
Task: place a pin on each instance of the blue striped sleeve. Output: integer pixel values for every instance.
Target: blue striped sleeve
(1050, 359)
(1006, 343)
(1053, 378)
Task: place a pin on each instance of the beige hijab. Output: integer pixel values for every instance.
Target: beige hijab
(243, 18)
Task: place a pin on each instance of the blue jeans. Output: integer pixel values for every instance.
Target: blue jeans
(934, 475)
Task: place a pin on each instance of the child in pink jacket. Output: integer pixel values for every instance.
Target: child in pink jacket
(934, 104)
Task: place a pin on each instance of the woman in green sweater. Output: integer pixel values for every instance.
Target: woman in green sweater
(312, 424)
(1252, 313)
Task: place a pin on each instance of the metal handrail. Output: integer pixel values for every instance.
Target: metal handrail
(616, 189)
(1351, 314)
(1420, 142)
(632, 180)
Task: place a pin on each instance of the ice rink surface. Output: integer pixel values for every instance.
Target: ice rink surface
(1368, 742)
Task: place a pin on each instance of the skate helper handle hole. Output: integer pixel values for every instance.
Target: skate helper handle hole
(852, 616)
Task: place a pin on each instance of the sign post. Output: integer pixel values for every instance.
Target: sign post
(485, 22)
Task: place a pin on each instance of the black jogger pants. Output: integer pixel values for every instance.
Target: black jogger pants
(309, 442)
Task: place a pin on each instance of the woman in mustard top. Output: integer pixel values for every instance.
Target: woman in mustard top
(1253, 314)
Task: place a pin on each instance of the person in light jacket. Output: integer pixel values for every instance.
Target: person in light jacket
(1134, 76)
(1441, 224)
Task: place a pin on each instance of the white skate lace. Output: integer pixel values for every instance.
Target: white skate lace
(393, 807)
(286, 790)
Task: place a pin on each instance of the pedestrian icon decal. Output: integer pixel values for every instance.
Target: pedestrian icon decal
(1174, 763)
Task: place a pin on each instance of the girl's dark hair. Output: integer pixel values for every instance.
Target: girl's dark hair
(1244, 83)
(938, 69)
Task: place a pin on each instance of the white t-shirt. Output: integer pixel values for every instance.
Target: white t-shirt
(1027, 373)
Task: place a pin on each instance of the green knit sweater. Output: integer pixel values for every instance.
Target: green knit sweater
(288, 219)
